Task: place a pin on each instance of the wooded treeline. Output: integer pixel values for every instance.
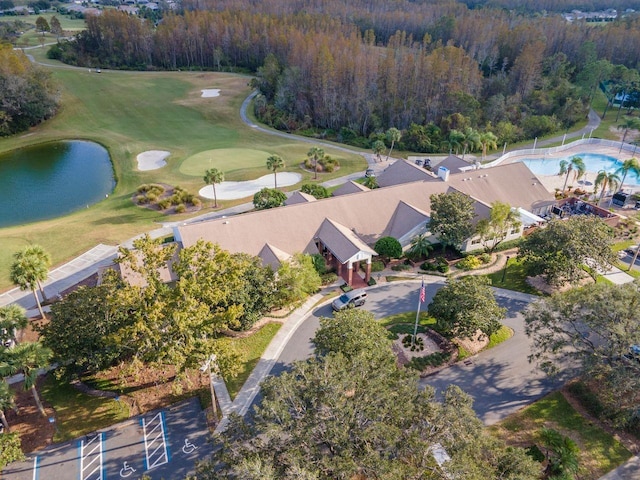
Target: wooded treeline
(533, 6)
(27, 93)
(357, 68)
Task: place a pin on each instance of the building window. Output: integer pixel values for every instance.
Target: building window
(475, 241)
(514, 231)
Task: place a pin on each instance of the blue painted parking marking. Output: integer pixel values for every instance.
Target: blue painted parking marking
(91, 458)
(155, 441)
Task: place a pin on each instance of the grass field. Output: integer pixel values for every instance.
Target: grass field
(515, 278)
(599, 451)
(131, 112)
(251, 349)
(78, 414)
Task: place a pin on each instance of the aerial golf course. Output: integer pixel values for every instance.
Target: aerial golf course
(134, 112)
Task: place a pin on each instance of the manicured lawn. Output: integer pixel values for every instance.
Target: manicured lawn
(502, 335)
(250, 349)
(599, 451)
(514, 279)
(129, 113)
(78, 414)
(408, 318)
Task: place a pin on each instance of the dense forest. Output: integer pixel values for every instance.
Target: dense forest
(27, 93)
(441, 72)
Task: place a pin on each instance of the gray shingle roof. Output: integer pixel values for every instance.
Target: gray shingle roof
(341, 241)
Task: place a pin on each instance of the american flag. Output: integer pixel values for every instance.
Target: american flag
(423, 293)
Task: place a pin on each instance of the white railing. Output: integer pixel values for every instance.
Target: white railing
(541, 152)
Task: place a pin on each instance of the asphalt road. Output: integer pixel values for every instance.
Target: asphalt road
(162, 444)
(500, 380)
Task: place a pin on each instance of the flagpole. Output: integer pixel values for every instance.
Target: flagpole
(415, 327)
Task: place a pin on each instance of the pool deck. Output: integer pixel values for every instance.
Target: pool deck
(553, 182)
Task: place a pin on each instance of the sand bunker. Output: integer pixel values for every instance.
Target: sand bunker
(152, 159)
(210, 92)
(234, 190)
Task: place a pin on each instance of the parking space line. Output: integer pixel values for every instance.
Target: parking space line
(155, 441)
(91, 457)
(35, 468)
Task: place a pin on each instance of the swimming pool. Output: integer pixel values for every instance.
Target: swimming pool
(594, 162)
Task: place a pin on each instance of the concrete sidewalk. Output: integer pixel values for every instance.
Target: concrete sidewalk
(627, 471)
(251, 387)
(64, 276)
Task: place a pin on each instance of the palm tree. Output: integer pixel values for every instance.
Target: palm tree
(575, 165)
(393, 135)
(488, 141)
(12, 319)
(316, 153)
(455, 140)
(630, 165)
(370, 182)
(420, 247)
(7, 401)
(629, 123)
(378, 147)
(471, 141)
(605, 179)
(27, 358)
(211, 177)
(30, 268)
(275, 162)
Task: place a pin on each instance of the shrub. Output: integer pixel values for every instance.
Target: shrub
(469, 263)
(10, 450)
(407, 341)
(328, 278)
(181, 208)
(388, 247)
(164, 203)
(319, 263)
(485, 257)
(318, 191)
(433, 360)
(443, 268)
(196, 202)
(401, 267)
(429, 266)
(372, 281)
(534, 452)
(377, 266)
(346, 288)
(151, 197)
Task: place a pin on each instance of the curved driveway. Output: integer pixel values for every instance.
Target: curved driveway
(501, 380)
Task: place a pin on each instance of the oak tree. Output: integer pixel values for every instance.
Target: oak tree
(467, 307)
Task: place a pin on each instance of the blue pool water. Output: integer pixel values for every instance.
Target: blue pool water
(593, 161)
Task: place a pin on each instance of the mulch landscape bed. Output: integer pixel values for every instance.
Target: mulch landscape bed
(36, 432)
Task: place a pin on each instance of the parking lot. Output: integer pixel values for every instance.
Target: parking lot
(161, 444)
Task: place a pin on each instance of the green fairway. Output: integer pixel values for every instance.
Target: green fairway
(132, 112)
(223, 159)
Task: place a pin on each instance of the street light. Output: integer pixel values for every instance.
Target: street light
(207, 368)
(504, 271)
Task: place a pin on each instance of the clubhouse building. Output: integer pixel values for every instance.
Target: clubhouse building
(344, 228)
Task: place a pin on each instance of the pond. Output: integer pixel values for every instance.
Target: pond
(53, 179)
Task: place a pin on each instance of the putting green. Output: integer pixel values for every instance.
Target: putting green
(225, 159)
